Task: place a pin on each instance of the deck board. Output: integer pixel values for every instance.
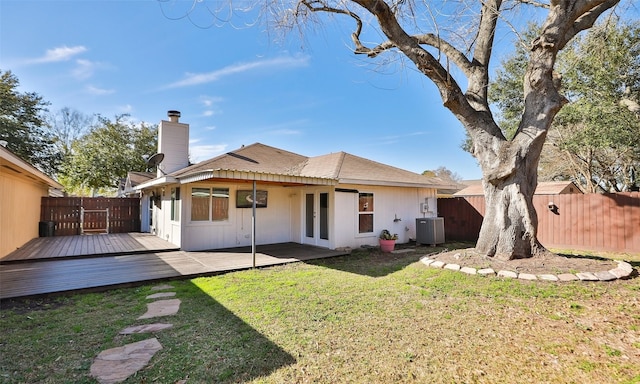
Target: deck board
(54, 275)
(88, 246)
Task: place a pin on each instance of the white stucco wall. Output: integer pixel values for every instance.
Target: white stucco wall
(273, 223)
(390, 204)
(283, 218)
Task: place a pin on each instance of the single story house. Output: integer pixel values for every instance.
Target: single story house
(474, 188)
(334, 201)
(21, 188)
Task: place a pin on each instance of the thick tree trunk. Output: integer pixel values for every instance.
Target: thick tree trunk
(510, 225)
(509, 228)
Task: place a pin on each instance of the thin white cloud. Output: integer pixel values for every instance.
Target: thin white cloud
(198, 153)
(208, 77)
(63, 53)
(211, 105)
(84, 69)
(99, 91)
(209, 101)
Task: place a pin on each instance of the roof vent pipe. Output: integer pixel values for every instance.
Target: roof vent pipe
(173, 116)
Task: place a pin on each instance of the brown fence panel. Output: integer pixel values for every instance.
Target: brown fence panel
(600, 222)
(462, 217)
(66, 212)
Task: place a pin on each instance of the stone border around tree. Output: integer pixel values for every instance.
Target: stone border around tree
(624, 270)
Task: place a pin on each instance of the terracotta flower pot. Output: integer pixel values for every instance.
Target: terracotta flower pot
(387, 245)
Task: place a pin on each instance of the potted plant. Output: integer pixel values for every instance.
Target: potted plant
(387, 240)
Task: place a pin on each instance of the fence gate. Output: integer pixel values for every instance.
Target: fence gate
(91, 220)
(84, 215)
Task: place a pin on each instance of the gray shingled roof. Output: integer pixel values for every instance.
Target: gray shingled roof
(342, 167)
(136, 178)
(251, 158)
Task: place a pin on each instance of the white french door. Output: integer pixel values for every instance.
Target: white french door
(316, 218)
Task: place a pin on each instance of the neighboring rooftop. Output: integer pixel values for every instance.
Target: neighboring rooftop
(474, 188)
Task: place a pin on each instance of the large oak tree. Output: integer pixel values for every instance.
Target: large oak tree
(427, 33)
(597, 133)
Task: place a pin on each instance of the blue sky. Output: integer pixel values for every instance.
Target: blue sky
(234, 86)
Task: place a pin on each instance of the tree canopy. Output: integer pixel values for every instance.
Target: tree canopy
(596, 133)
(103, 156)
(23, 125)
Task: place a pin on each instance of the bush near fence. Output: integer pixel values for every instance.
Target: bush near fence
(599, 222)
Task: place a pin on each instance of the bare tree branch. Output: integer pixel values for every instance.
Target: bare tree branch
(535, 3)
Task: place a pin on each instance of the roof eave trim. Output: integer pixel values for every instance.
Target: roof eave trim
(159, 182)
(29, 168)
(250, 176)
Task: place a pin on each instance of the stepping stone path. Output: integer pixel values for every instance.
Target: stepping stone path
(116, 364)
(161, 308)
(147, 328)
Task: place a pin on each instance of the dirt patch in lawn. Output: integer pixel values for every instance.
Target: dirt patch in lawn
(545, 263)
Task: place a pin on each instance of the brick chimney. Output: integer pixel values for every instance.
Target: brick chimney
(173, 141)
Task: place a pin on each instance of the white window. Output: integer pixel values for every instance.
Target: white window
(365, 213)
(209, 204)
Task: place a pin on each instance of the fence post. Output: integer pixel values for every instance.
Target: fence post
(82, 220)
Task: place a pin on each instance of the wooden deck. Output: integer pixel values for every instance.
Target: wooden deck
(43, 248)
(68, 274)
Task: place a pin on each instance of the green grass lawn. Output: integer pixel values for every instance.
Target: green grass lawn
(363, 318)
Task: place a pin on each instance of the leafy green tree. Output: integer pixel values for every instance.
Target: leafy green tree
(107, 152)
(594, 138)
(23, 126)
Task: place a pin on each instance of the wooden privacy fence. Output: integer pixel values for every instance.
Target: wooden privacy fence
(81, 215)
(599, 222)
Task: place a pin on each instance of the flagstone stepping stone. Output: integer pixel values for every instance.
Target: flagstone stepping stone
(116, 364)
(161, 308)
(146, 328)
(161, 287)
(161, 294)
